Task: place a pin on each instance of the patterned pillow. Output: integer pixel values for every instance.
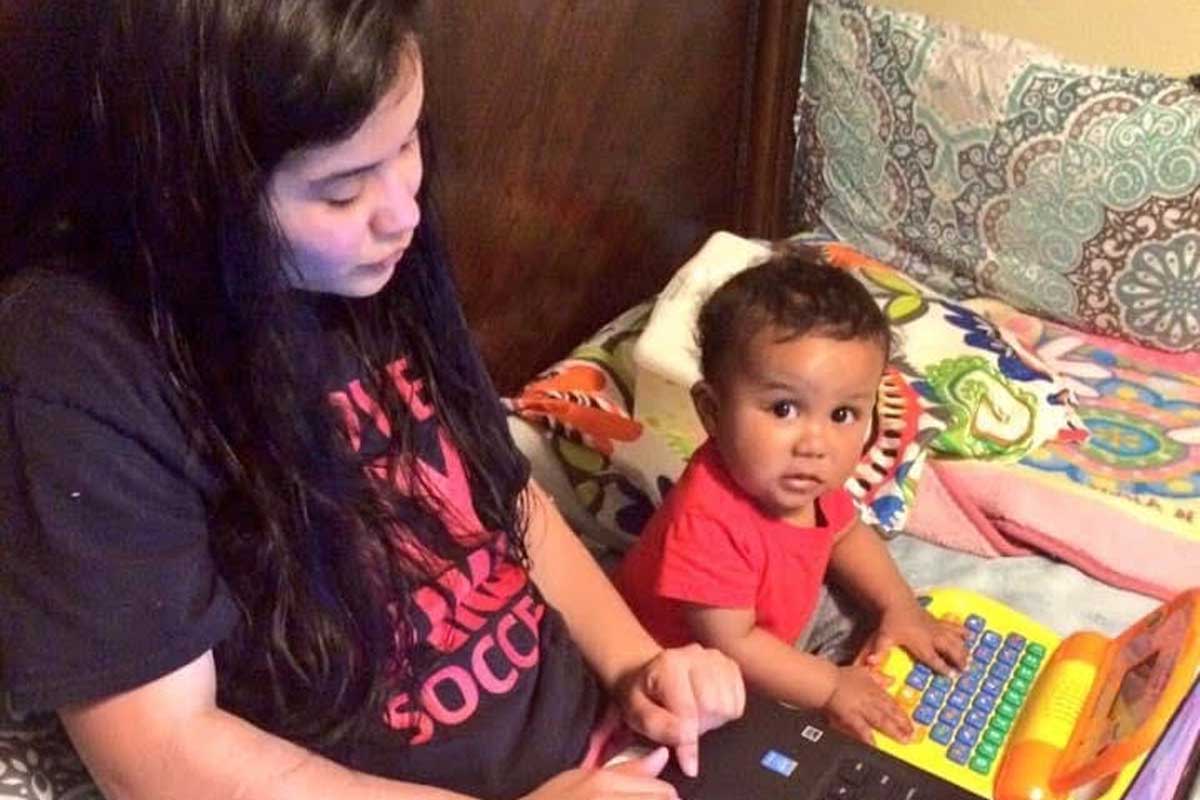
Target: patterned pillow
(986, 166)
(996, 400)
(38, 762)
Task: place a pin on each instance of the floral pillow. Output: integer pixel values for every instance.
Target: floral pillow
(624, 426)
(984, 165)
(996, 400)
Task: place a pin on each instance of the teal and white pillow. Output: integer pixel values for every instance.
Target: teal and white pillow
(984, 165)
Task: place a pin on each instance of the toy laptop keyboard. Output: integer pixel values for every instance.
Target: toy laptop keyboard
(1036, 714)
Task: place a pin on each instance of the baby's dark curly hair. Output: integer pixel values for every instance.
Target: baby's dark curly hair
(794, 293)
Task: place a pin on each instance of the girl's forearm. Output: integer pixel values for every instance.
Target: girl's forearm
(167, 739)
(611, 639)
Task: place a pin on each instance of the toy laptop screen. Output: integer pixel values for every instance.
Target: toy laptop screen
(1127, 707)
(1170, 769)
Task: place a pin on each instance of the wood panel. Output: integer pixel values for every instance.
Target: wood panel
(584, 149)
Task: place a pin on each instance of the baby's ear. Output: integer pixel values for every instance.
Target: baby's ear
(870, 428)
(704, 398)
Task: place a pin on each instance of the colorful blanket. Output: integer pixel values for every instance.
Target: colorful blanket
(1122, 505)
(618, 411)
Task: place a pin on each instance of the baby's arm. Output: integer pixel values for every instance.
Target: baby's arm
(861, 563)
(850, 696)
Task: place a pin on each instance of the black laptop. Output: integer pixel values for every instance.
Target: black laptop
(778, 753)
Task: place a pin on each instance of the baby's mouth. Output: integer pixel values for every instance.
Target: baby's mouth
(801, 481)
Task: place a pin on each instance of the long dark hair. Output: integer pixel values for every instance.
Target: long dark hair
(194, 103)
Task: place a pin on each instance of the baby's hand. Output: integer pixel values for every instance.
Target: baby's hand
(859, 704)
(940, 644)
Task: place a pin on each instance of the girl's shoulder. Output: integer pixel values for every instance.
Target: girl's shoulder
(65, 337)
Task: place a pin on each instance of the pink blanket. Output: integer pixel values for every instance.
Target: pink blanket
(1122, 506)
(994, 510)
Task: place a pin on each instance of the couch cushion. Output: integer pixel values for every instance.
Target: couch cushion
(38, 762)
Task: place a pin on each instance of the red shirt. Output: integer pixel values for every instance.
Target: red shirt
(709, 544)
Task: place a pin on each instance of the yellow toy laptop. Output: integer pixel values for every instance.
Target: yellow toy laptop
(1037, 716)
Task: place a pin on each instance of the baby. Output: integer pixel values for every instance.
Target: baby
(792, 354)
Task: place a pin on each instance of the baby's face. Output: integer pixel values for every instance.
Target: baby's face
(790, 417)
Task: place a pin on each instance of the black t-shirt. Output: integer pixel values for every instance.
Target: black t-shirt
(107, 579)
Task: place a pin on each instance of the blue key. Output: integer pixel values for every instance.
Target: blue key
(778, 762)
(941, 733)
(968, 683)
(959, 700)
(934, 697)
(1009, 655)
(975, 622)
(950, 715)
(983, 654)
(917, 679)
(993, 685)
(976, 718)
(1000, 672)
(967, 734)
(941, 682)
(958, 753)
(971, 638)
(984, 702)
(992, 639)
(1015, 640)
(925, 714)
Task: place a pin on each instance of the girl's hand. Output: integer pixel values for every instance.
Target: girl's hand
(678, 695)
(860, 705)
(940, 644)
(630, 779)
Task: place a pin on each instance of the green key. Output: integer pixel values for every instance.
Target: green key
(1030, 660)
(1026, 673)
(1001, 723)
(1019, 685)
(987, 750)
(1035, 649)
(993, 736)
(1013, 698)
(981, 765)
(1006, 710)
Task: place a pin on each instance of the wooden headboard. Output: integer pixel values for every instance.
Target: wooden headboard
(583, 150)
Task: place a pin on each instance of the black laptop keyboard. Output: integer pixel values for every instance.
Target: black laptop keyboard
(855, 779)
(778, 753)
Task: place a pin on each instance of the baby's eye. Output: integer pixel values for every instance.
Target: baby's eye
(844, 415)
(784, 409)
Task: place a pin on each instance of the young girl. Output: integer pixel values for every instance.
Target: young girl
(792, 354)
(265, 534)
